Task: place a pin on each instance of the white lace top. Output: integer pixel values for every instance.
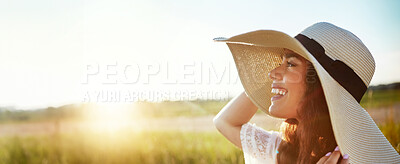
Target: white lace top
(259, 145)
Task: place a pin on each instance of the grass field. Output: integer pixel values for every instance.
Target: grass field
(153, 147)
(175, 132)
(380, 98)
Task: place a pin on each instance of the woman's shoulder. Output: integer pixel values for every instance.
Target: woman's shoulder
(258, 143)
(250, 131)
(250, 127)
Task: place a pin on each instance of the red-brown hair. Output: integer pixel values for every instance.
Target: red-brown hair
(308, 139)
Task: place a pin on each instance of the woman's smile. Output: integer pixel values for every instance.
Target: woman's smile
(280, 93)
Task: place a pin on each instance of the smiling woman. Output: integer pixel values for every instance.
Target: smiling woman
(288, 85)
(316, 87)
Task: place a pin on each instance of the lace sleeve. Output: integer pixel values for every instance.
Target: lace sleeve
(259, 145)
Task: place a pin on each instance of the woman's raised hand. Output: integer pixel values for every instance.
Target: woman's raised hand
(333, 158)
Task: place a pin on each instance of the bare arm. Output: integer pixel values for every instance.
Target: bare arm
(234, 114)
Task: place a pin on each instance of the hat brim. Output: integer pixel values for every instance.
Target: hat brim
(257, 53)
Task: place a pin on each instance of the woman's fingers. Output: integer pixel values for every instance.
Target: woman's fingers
(345, 159)
(333, 158)
(324, 158)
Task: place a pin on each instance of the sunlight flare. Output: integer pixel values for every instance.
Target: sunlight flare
(113, 118)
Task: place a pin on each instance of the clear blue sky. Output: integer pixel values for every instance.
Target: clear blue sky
(45, 46)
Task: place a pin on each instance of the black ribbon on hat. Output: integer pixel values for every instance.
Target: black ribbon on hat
(342, 73)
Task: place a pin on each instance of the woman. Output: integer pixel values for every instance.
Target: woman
(315, 81)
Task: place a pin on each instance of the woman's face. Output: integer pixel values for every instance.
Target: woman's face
(288, 85)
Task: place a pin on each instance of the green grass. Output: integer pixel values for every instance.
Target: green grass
(391, 130)
(152, 147)
(149, 146)
(380, 98)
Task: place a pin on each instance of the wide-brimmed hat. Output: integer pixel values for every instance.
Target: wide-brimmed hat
(345, 68)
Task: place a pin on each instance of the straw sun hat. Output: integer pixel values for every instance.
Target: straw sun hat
(345, 68)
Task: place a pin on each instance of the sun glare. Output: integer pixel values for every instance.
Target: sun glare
(113, 118)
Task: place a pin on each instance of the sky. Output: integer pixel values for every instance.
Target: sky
(60, 52)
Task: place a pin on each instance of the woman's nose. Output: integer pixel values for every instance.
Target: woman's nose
(274, 74)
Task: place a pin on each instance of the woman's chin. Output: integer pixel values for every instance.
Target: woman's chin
(273, 111)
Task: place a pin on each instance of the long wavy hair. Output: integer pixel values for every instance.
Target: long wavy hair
(308, 139)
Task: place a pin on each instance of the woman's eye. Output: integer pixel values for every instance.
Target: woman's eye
(290, 64)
